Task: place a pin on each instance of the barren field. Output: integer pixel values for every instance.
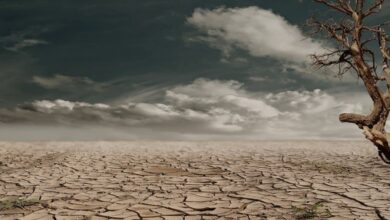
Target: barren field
(193, 180)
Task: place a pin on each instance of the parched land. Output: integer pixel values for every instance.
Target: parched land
(193, 180)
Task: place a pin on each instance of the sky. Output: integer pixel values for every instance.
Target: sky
(177, 70)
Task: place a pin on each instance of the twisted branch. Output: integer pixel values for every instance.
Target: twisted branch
(358, 55)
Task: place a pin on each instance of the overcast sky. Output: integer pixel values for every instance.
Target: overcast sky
(168, 69)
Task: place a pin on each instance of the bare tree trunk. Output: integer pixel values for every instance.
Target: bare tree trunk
(353, 54)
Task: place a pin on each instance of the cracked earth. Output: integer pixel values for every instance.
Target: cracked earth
(193, 180)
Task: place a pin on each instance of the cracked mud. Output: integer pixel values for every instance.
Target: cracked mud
(193, 180)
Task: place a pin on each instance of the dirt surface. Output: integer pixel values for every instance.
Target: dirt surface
(193, 180)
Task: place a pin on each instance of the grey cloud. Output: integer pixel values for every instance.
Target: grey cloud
(19, 40)
(267, 79)
(260, 32)
(229, 112)
(68, 83)
(25, 43)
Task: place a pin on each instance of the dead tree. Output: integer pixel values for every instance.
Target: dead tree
(359, 47)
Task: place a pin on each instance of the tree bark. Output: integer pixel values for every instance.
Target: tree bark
(355, 54)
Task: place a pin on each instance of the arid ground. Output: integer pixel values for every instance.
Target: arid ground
(193, 180)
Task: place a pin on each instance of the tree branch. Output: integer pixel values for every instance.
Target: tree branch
(375, 8)
(340, 6)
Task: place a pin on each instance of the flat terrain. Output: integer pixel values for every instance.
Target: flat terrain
(193, 180)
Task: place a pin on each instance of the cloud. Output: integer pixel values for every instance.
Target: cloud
(227, 95)
(24, 43)
(68, 83)
(229, 112)
(267, 79)
(263, 34)
(260, 32)
(17, 41)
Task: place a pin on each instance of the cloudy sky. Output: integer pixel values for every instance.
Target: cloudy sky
(153, 69)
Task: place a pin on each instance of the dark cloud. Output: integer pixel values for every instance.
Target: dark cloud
(142, 43)
(141, 58)
(69, 83)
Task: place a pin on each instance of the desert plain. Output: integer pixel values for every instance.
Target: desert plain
(193, 180)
